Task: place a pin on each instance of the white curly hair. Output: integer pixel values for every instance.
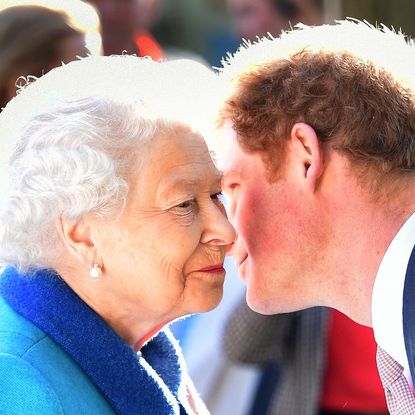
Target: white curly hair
(71, 135)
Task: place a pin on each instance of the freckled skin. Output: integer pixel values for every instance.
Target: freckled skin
(173, 225)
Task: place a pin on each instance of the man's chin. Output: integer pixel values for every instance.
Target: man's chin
(265, 305)
(261, 305)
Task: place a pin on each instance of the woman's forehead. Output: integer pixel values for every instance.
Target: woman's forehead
(178, 162)
(188, 182)
(178, 146)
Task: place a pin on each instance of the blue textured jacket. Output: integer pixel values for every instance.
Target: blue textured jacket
(57, 356)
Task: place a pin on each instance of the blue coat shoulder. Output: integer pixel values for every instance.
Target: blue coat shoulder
(37, 376)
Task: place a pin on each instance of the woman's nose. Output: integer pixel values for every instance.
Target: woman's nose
(218, 230)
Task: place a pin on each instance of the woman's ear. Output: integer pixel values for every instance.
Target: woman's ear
(308, 152)
(76, 236)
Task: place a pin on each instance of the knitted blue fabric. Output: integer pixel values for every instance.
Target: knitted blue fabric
(131, 384)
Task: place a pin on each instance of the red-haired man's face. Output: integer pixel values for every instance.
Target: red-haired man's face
(277, 238)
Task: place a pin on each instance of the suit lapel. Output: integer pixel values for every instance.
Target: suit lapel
(409, 313)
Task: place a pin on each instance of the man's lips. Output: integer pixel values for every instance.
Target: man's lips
(212, 268)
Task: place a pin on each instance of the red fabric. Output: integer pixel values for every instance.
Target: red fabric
(351, 381)
(148, 46)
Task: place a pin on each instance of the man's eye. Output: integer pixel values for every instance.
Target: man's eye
(230, 186)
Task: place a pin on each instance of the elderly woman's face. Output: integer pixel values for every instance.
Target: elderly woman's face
(165, 253)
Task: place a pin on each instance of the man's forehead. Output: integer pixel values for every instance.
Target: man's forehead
(228, 153)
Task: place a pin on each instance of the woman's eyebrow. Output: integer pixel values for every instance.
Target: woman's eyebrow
(179, 183)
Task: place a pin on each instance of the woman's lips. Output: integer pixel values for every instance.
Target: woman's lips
(217, 268)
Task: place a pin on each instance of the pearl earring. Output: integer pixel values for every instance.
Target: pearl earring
(95, 272)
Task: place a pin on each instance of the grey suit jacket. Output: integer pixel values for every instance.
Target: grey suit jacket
(296, 341)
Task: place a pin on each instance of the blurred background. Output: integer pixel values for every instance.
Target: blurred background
(207, 30)
(207, 27)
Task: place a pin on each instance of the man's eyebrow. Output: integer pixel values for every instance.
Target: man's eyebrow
(225, 174)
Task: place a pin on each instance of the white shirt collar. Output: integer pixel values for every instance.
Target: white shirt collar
(387, 296)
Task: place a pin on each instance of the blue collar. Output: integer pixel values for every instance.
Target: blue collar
(123, 377)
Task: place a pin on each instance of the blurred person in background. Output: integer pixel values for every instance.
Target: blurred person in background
(257, 18)
(125, 27)
(36, 37)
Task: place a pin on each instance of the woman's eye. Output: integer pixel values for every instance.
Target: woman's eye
(186, 210)
(186, 205)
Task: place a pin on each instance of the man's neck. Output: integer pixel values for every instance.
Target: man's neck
(363, 234)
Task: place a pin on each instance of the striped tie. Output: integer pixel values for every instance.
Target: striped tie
(399, 397)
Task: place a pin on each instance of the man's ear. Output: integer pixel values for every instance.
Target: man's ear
(308, 152)
(76, 236)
